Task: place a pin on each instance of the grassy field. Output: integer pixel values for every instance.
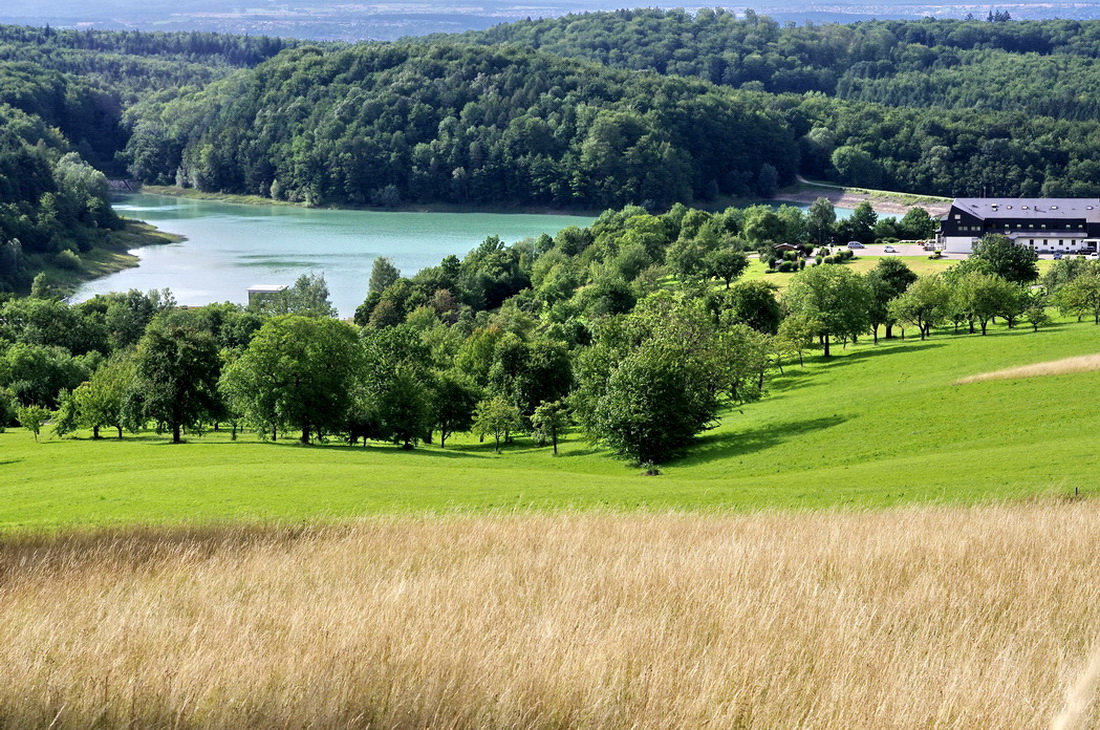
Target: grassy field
(910, 618)
(876, 426)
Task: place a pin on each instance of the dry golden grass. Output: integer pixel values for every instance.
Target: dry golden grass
(932, 617)
(1079, 364)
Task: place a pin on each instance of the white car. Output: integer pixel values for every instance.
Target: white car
(1094, 256)
(889, 249)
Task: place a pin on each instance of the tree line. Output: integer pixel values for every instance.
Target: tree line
(639, 330)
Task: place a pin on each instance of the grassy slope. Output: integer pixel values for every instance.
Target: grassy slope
(876, 426)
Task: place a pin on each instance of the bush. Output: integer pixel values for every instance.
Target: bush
(68, 260)
(786, 266)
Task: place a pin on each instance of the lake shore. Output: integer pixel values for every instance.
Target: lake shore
(883, 201)
(110, 257)
(192, 194)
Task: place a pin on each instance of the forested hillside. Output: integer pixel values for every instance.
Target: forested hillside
(442, 122)
(944, 107)
(63, 95)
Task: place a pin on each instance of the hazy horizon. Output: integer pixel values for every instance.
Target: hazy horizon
(321, 20)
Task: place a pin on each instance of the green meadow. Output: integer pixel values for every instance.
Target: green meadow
(876, 425)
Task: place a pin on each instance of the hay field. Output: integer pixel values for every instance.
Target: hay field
(1067, 365)
(920, 617)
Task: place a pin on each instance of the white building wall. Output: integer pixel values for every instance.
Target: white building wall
(959, 244)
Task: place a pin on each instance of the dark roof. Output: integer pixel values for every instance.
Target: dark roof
(1025, 208)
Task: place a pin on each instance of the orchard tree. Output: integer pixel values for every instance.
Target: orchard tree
(33, 418)
(652, 380)
(820, 219)
(496, 417)
(98, 403)
(925, 303)
(454, 398)
(725, 263)
(835, 298)
(1081, 296)
(297, 372)
(549, 420)
(175, 378)
(1000, 255)
(886, 282)
(402, 404)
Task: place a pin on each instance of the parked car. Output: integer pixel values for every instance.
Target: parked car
(1094, 256)
(1057, 256)
(889, 249)
(855, 244)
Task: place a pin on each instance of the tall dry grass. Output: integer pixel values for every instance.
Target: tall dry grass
(932, 617)
(1078, 364)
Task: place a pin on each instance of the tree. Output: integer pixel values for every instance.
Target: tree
(454, 398)
(296, 372)
(549, 420)
(308, 297)
(860, 226)
(652, 380)
(1036, 315)
(655, 402)
(916, 224)
(7, 408)
(819, 221)
(495, 417)
(796, 334)
(924, 304)
(725, 263)
(175, 378)
(382, 274)
(748, 302)
(99, 402)
(402, 405)
(1081, 296)
(833, 297)
(1005, 258)
(887, 281)
(33, 418)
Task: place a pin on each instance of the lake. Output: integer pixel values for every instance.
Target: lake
(230, 247)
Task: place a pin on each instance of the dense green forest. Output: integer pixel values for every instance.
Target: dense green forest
(414, 122)
(938, 107)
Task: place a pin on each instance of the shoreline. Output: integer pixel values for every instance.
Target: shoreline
(109, 257)
(805, 192)
(883, 201)
(255, 200)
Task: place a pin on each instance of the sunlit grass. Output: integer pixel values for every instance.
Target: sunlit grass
(910, 618)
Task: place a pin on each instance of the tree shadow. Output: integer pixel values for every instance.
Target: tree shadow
(879, 350)
(717, 447)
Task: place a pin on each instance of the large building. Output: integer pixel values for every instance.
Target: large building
(1048, 225)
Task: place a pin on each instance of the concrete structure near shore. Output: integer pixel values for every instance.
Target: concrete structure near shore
(1046, 225)
(259, 292)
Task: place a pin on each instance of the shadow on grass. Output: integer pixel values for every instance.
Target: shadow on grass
(717, 447)
(841, 358)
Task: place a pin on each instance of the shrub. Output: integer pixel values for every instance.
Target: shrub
(68, 260)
